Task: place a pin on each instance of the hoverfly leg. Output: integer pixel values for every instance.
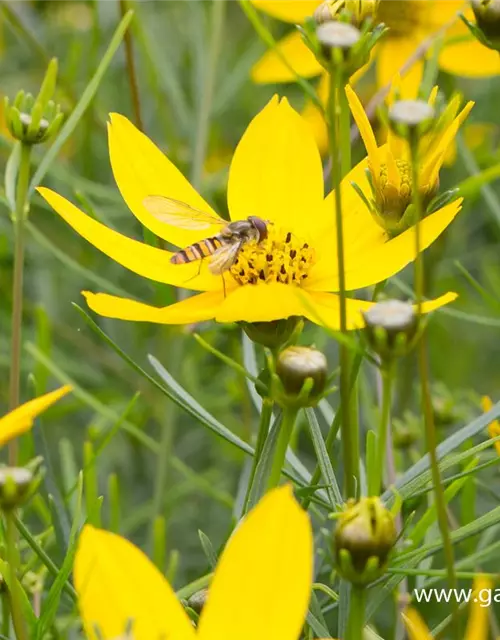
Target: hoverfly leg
(197, 273)
(223, 285)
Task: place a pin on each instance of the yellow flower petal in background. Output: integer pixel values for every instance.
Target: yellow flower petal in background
(261, 587)
(315, 117)
(493, 427)
(139, 257)
(276, 172)
(393, 53)
(140, 170)
(117, 584)
(294, 11)
(301, 61)
(21, 419)
(416, 627)
(477, 625)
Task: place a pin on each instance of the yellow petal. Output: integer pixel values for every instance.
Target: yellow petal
(324, 308)
(386, 258)
(262, 583)
(416, 627)
(140, 258)
(117, 584)
(295, 11)
(365, 129)
(276, 172)
(393, 53)
(197, 308)
(21, 419)
(494, 426)
(140, 170)
(478, 625)
(300, 59)
(468, 58)
(315, 117)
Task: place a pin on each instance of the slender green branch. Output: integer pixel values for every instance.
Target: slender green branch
(265, 421)
(356, 621)
(286, 429)
(349, 438)
(17, 287)
(13, 560)
(385, 416)
(207, 91)
(131, 72)
(430, 429)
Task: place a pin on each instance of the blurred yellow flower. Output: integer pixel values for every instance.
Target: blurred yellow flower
(260, 589)
(276, 173)
(410, 22)
(477, 626)
(21, 419)
(389, 192)
(493, 427)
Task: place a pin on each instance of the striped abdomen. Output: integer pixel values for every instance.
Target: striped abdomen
(197, 251)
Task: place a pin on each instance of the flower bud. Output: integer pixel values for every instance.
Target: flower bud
(15, 486)
(337, 35)
(487, 14)
(364, 536)
(197, 600)
(35, 120)
(411, 117)
(355, 11)
(302, 372)
(273, 335)
(390, 328)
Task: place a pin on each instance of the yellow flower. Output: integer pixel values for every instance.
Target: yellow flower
(390, 168)
(20, 420)
(477, 626)
(410, 22)
(493, 427)
(260, 589)
(276, 174)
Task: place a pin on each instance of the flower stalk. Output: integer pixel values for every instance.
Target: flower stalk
(265, 421)
(19, 220)
(339, 130)
(375, 483)
(357, 607)
(289, 418)
(13, 560)
(423, 365)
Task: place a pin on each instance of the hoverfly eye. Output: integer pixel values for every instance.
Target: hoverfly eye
(260, 225)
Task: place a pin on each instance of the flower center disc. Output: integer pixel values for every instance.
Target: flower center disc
(402, 16)
(281, 257)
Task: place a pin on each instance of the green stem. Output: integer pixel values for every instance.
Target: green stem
(385, 416)
(132, 76)
(423, 364)
(5, 614)
(265, 420)
(286, 429)
(17, 288)
(207, 91)
(349, 438)
(13, 560)
(344, 131)
(356, 621)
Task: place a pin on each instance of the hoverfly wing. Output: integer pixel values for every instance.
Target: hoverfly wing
(224, 258)
(179, 214)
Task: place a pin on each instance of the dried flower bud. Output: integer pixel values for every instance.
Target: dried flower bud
(354, 11)
(197, 600)
(410, 117)
(364, 537)
(487, 14)
(15, 486)
(390, 327)
(300, 369)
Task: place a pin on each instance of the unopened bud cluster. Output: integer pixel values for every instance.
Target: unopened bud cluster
(34, 120)
(364, 537)
(411, 118)
(354, 11)
(487, 27)
(16, 486)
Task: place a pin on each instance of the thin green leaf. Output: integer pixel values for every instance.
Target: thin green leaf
(332, 487)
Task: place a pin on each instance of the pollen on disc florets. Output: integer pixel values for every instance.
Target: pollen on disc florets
(402, 16)
(282, 257)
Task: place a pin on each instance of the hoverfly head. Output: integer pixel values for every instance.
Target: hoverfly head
(260, 226)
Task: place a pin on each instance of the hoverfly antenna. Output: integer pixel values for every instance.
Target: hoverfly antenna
(260, 225)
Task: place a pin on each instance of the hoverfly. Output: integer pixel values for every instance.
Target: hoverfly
(222, 247)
